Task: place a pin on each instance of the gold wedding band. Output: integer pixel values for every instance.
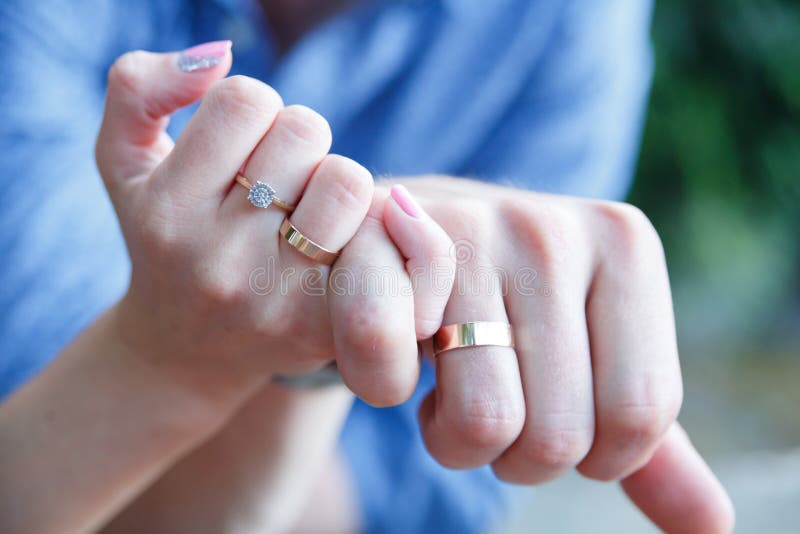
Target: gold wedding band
(473, 334)
(305, 246)
(262, 195)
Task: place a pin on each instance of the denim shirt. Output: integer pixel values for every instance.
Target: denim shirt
(542, 94)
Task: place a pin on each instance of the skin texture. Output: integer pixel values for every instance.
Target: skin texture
(593, 384)
(191, 232)
(192, 347)
(278, 449)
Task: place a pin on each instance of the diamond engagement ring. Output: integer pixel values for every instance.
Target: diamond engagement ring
(262, 195)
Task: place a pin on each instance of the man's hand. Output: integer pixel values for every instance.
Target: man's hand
(594, 381)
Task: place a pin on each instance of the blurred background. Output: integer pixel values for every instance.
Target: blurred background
(719, 175)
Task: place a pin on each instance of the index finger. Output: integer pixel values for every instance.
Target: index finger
(234, 116)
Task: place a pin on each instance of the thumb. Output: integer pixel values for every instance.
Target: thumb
(678, 491)
(144, 88)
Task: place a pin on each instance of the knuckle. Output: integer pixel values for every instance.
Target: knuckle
(240, 100)
(470, 224)
(218, 290)
(305, 124)
(555, 449)
(468, 220)
(549, 232)
(126, 73)
(482, 428)
(629, 227)
(349, 184)
(642, 423)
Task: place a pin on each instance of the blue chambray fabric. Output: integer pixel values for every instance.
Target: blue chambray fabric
(542, 94)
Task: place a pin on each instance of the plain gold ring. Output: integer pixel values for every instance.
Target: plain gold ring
(305, 246)
(472, 334)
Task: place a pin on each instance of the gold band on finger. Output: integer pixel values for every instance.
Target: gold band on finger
(473, 334)
(307, 247)
(262, 195)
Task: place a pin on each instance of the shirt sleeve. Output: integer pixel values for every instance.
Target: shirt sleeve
(575, 127)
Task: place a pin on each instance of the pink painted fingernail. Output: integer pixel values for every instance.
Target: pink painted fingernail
(406, 202)
(203, 56)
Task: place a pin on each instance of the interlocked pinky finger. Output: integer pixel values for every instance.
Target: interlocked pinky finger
(427, 249)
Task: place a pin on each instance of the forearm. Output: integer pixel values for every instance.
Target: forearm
(92, 430)
(258, 473)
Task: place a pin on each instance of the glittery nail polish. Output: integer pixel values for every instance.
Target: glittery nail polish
(203, 56)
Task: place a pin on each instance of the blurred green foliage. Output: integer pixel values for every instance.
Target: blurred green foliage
(719, 172)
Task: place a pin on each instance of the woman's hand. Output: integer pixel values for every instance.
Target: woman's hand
(594, 381)
(195, 338)
(217, 295)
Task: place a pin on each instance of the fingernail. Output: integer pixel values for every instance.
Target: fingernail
(406, 202)
(203, 56)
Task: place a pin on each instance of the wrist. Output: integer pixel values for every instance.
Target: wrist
(204, 388)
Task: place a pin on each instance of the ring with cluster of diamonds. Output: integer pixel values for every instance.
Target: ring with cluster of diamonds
(262, 195)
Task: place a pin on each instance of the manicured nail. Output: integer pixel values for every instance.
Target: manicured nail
(406, 202)
(203, 56)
